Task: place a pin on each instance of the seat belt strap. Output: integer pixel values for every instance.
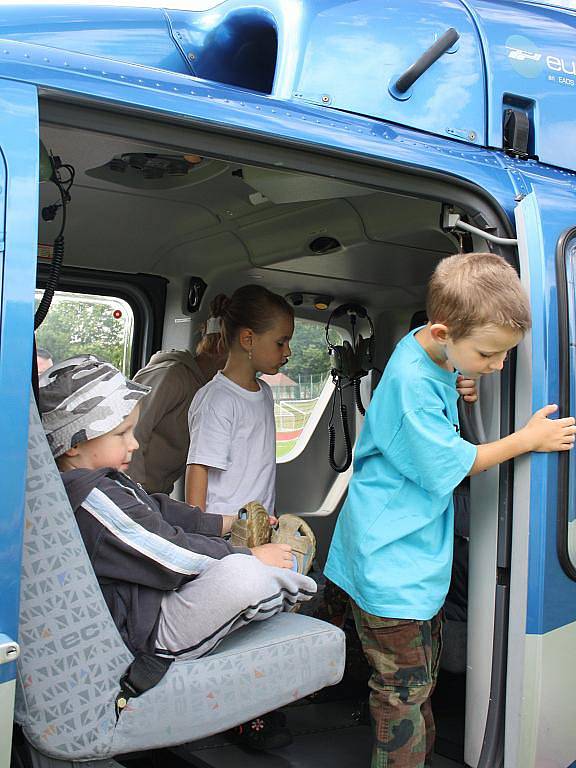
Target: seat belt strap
(144, 673)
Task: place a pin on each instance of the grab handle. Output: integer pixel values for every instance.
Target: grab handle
(437, 49)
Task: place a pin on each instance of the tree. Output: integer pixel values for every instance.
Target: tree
(79, 324)
(309, 351)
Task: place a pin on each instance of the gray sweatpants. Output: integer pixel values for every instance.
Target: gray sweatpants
(226, 596)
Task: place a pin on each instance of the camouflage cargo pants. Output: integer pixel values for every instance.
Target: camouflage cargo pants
(403, 655)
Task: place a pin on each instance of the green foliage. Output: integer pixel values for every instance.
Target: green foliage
(80, 325)
(309, 351)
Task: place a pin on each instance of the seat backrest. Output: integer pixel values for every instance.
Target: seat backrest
(72, 656)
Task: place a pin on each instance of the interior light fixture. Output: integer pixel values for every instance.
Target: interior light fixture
(320, 302)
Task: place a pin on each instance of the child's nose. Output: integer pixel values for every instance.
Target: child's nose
(498, 365)
(134, 444)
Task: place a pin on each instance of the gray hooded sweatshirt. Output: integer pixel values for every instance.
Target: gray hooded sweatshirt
(162, 428)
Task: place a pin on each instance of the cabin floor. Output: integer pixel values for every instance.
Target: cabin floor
(327, 734)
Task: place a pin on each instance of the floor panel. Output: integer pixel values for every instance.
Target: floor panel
(326, 735)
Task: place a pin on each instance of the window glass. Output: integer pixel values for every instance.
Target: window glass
(571, 280)
(82, 324)
(302, 387)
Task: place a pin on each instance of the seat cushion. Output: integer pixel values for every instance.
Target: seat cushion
(258, 668)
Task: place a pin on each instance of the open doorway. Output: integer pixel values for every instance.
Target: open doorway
(188, 203)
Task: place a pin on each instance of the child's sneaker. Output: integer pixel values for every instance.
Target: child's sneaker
(266, 732)
(292, 530)
(252, 528)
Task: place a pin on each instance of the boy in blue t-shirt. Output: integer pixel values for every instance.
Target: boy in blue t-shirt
(392, 546)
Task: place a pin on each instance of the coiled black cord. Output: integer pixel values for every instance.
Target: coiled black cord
(51, 283)
(332, 434)
(58, 249)
(358, 398)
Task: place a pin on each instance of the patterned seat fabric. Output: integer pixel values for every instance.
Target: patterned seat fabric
(72, 656)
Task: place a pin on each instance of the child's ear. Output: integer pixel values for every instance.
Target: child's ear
(246, 338)
(439, 333)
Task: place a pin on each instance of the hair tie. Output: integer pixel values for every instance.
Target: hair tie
(213, 325)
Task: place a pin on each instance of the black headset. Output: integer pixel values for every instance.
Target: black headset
(350, 362)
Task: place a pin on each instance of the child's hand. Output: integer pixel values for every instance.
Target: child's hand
(279, 555)
(545, 435)
(273, 521)
(466, 388)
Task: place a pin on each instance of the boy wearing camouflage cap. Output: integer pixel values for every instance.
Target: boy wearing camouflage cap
(173, 585)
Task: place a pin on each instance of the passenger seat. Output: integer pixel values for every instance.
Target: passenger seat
(72, 656)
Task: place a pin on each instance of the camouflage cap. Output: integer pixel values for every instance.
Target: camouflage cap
(82, 398)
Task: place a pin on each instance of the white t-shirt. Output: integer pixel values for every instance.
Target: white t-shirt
(232, 432)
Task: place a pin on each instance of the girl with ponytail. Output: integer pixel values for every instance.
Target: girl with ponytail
(232, 454)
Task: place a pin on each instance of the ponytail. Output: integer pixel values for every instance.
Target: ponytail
(251, 306)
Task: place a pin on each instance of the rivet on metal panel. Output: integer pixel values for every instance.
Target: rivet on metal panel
(325, 98)
(472, 135)
(192, 56)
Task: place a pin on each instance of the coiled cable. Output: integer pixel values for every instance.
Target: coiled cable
(58, 249)
(358, 398)
(345, 431)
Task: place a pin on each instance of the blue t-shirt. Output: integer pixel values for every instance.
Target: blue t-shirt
(392, 546)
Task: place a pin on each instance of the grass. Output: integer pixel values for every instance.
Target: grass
(284, 447)
(292, 416)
